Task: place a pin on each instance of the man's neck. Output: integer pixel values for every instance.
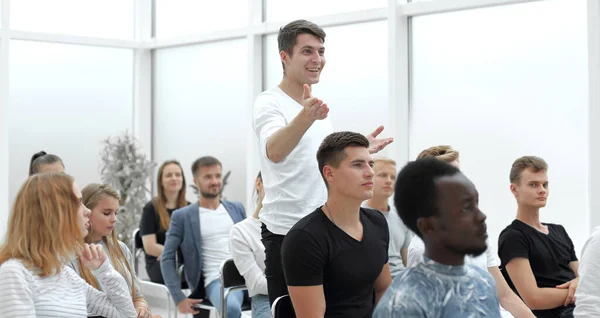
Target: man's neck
(443, 255)
(209, 203)
(343, 211)
(171, 199)
(292, 89)
(530, 216)
(379, 203)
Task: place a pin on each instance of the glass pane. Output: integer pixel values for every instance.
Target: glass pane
(504, 90)
(347, 69)
(185, 17)
(98, 18)
(65, 99)
(200, 109)
(288, 10)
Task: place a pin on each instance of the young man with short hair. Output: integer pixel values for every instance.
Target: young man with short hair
(383, 189)
(201, 230)
(335, 259)
(440, 205)
(538, 259)
(290, 124)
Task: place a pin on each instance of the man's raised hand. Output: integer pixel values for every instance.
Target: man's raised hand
(314, 108)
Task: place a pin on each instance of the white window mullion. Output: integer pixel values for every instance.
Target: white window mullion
(255, 87)
(594, 111)
(5, 201)
(398, 87)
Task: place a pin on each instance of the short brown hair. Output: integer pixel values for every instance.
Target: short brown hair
(205, 161)
(331, 152)
(289, 33)
(536, 163)
(443, 153)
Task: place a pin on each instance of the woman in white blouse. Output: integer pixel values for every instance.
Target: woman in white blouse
(248, 255)
(45, 230)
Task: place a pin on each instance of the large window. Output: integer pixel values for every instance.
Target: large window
(200, 109)
(66, 99)
(184, 17)
(504, 82)
(288, 10)
(94, 18)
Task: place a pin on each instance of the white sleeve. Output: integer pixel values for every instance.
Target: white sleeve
(491, 256)
(416, 249)
(244, 260)
(116, 302)
(267, 119)
(16, 296)
(587, 295)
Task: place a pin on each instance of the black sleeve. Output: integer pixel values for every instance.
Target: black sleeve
(573, 256)
(512, 244)
(303, 259)
(149, 221)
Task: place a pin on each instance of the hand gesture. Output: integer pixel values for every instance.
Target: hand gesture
(572, 286)
(143, 312)
(314, 108)
(188, 306)
(92, 256)
(375, 145)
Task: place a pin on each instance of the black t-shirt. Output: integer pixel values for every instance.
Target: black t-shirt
(150, 224)
(317, 252)
(549, 256)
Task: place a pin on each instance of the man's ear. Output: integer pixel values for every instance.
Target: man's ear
(426, 225)
(328, 173)
(513, 189)
(283, 55)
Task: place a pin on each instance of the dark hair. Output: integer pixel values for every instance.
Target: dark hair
(205, 161)
(41, 158)
(160, 201)
(331, 152)
(415, 195)
(536, 163)
(289, 33)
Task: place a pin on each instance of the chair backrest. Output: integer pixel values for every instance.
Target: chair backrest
(230, 276)
(282, 307)
(138, 249)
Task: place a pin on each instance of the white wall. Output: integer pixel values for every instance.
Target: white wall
(65, 99)
(504, 82)
(200, 109)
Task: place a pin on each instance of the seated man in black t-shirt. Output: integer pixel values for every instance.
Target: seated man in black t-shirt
(537, 259)
(335, 259)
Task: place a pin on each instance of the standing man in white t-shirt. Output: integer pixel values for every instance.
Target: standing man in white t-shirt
(510, 304)
(400, 235)
(290, 125)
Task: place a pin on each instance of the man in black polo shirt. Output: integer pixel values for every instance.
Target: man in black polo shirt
(537, 259)
(335, 259)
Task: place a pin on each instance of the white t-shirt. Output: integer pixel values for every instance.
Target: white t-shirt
(587, 294)
(416, 249)
(214, 231)
(248, 254)
(400, 237)
(293, 187)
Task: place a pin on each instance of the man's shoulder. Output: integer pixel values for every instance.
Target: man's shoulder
(314, 221)
(270, 96)
(373, 215)
(181, 212)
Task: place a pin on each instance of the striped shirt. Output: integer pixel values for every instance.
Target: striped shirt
(23, 293)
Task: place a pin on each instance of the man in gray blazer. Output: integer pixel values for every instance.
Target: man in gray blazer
(201, 230)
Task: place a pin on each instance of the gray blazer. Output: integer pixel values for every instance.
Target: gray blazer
(184, 233)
